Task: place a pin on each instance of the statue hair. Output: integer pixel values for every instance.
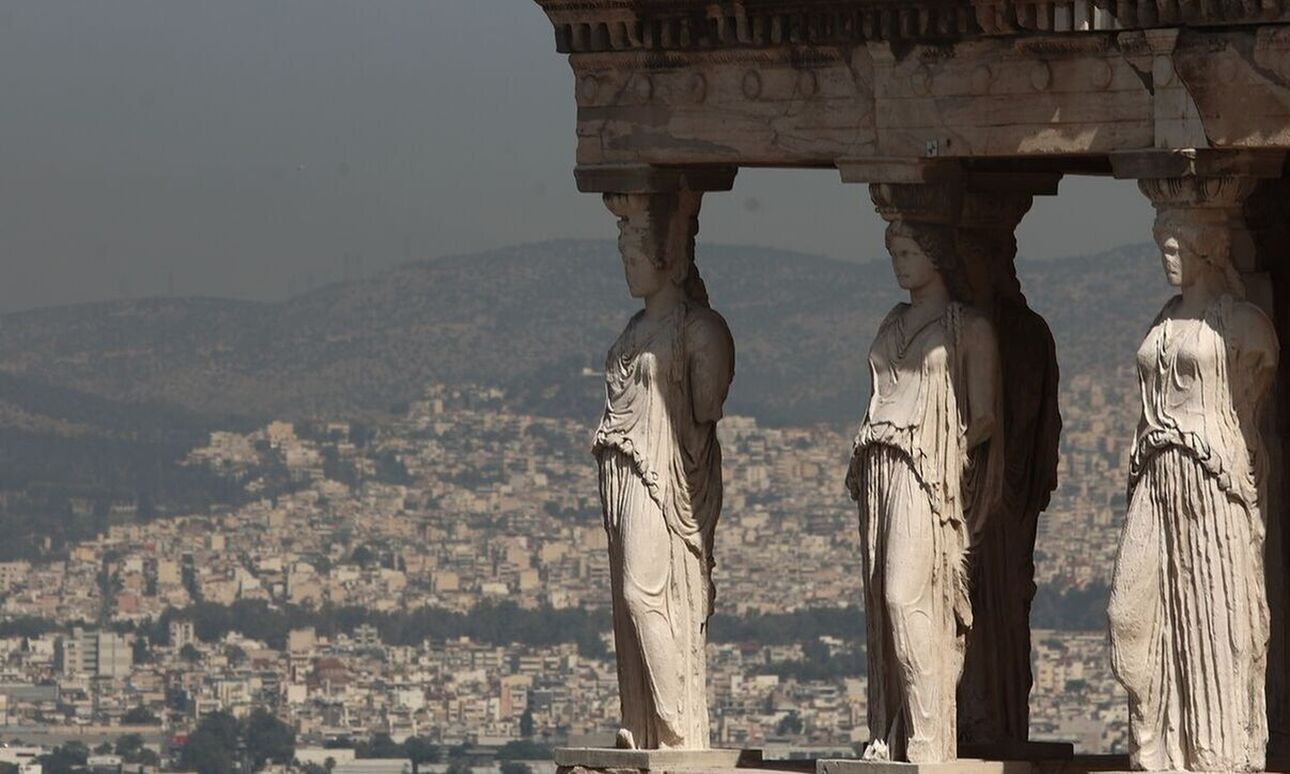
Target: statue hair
(1211, 242)
(939, 244)
(674, 219)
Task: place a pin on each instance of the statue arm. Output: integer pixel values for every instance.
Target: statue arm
(712, 365)
(1258, 351)
(982, 351)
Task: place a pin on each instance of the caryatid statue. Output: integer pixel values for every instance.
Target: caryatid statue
(994, 693)
(1188, 610)
(666, 379)
(926, 469)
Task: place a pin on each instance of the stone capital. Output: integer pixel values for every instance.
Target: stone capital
(649, 179)
(1197, 163)
(949, 193)
(939, 203)
(1202, 193)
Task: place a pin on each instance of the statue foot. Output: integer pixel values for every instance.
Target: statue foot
(876, 751)
(624, 740)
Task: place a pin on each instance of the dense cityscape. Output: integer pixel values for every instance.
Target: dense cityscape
(357, 596)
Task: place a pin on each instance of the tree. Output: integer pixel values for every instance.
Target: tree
(190, 654)
(514, 767)
(212, 745)
(140, 716)
(362, 556)
(458, 768)
(379, 746)
(235, 655)
(421, 750)
(523, 750)
(65, 759)
(526, 723)
(142, 655)
(268, 738)
(789, 725)
(132, 750)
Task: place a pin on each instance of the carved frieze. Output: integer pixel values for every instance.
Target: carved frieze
(658, 25)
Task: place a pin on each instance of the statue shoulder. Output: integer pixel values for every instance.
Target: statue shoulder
(625, 334)
(975, 322)
(893, 315)
(707, 331)
(1252, 326)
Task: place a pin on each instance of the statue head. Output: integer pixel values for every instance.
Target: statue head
(1196, 247)
(924, 254)
(656, 241)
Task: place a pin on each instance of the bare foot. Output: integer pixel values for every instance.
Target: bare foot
(877, 751)
(624, 740)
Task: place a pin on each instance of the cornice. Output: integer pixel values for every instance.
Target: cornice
(604, 26)
(597, 26)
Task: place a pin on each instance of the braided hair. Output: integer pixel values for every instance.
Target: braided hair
(938, 243)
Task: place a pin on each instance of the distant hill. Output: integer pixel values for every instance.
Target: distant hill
(98, 403)
(531, 318)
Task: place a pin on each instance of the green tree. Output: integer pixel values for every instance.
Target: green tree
(421, 750)
(362, 556)
(8, 768)
(379, 746)
(211, 747)
(268, 738)
(65, 759)
(132, 750)
(526, 723)
(140, 716)
(523, 750)
(789, 725)
(190, 654)
(514, 767)
(140, 651)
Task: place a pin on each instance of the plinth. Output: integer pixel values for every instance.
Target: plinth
(1018, 751)
(959, 766)
(610, 758)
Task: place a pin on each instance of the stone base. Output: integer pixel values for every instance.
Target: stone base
(1019, 751)
(602, 758)
(960, 766)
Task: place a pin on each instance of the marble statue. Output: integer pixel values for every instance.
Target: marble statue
(926, 470)
(994, 694)
(666, 379)
(1188, 611)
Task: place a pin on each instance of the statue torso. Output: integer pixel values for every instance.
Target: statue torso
(1192, 398)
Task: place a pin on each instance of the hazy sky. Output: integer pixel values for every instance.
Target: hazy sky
(252, 148)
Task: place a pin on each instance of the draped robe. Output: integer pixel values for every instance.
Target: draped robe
(660, 486)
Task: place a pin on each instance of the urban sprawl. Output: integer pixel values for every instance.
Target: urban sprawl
(463, 506)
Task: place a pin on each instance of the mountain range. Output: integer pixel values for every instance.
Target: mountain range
(535, 319)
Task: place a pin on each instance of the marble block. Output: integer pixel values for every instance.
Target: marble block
(1019, 751)
(960, 766)
(654, 760)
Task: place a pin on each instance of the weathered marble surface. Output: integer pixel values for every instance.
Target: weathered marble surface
(667, 377)
(1189, 618)
(994, 693)
(654, 760)
(961, 766)
(926, 470)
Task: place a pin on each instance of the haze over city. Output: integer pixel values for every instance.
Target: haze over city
(246, 150)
